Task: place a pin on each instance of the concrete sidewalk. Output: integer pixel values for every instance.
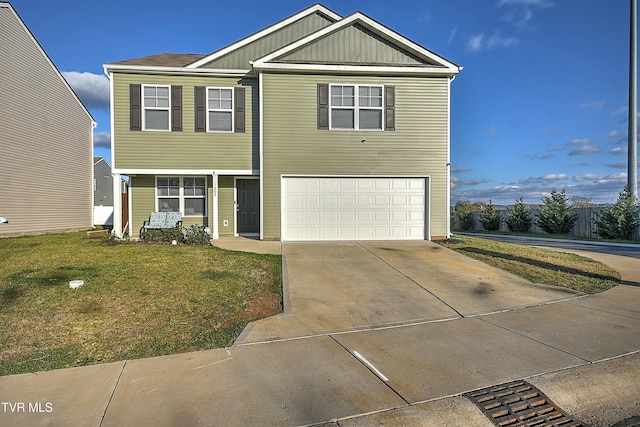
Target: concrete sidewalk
(373, 334)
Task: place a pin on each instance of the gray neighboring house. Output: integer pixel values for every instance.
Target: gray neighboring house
(46, 139)
(102, 192)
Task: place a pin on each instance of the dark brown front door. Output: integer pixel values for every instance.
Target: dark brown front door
(248, 205)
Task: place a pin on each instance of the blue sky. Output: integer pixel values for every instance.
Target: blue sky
(541, 102)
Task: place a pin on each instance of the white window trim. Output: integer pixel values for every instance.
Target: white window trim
(232, 110)
(356, 107)
(182, 196)
(145, 108)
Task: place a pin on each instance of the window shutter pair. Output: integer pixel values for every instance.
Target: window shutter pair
(239, 110)
(389, 107)
(135, 108)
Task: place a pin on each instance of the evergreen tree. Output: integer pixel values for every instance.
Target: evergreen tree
(555, 215)
(519, 217)
(465, 216)
(490, 218)
(621, 220)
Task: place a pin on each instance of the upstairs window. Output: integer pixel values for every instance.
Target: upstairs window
(219, 109)
(156, 107)
(356, 107)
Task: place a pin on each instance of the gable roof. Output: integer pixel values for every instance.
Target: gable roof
(306, 42)
(366, 45)
(269, 39)
(164, 60)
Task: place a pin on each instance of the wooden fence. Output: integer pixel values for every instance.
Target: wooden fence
(584, 227)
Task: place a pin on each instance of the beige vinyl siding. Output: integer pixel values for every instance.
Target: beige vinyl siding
(418, 147)
(186, 149)
(226, 206)
(46, 158)
(142, 189)
(239, 58)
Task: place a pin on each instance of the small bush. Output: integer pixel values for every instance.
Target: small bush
(519, 217)
(621, 220)
(465, 215)
(165, 235)
(490, 218)
(197, 235)
(555, 215)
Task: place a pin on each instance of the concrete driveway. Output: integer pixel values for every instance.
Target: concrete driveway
(332, 287)
(374, 333)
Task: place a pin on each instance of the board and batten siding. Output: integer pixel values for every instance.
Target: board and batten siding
(293, 145)
(186, 149)
(46, 160)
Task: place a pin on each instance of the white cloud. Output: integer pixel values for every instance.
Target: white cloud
(478, 43)
(619, 150)
(102, 139)
(587, 177)
(587, 149)
(579, 142)
(452, 35)
(614, 134)
(474, 44)
(92, 89)
(498, 41)
(554, 177)
(594, 104)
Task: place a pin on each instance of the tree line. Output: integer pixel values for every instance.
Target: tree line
(556, 216)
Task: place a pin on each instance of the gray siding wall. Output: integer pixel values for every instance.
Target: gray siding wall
(103, 192)
(46, 160)
(293, 145)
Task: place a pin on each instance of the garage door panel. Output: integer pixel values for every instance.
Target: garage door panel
(335, 208)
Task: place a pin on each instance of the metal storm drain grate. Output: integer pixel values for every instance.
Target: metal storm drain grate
(519, 404)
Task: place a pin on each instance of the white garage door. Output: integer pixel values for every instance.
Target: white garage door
(347, 208)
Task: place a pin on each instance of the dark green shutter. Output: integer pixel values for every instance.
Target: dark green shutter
(323, 106)
(200, 109)
(239, 119)
(176, 108)
(390, 108)
(135, 107)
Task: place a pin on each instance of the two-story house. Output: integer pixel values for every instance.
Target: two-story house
(319, 127)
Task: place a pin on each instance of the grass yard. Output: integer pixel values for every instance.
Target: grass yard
(539, 265)
(137, 300)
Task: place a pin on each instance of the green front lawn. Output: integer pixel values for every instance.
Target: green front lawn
(539, 265)
(137, 300)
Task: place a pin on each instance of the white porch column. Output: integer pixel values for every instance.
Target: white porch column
(117, 205)
(214, 222)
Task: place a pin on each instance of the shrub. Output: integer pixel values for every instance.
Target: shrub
(555, 215)
(519, 217)
(490, 218)
(621, 220)
(465, 216)
(162, 235)
(197, 235)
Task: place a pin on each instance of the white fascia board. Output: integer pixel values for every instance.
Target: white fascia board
(144, 69)
(133, 171)
(358, 69)
(265, 32)
(447, 66)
